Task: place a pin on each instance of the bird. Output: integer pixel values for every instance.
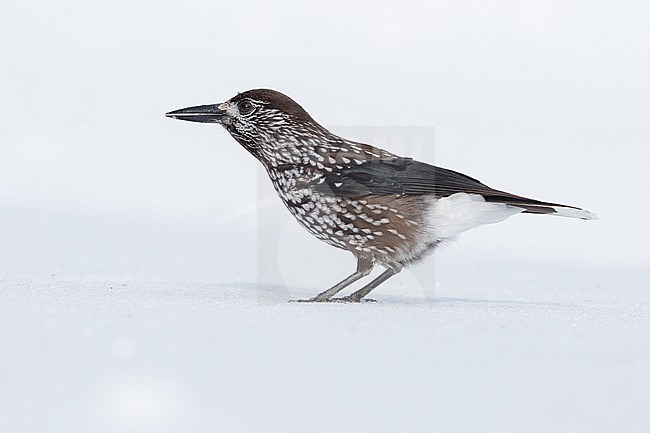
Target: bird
(388, 210)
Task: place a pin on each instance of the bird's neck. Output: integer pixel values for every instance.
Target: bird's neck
(291, 149)
(318, 150)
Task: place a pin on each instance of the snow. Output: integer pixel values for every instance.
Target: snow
(121, 326)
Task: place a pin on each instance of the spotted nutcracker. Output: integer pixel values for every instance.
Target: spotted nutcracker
(385, 209)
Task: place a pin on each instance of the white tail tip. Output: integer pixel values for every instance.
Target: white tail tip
(574, 213)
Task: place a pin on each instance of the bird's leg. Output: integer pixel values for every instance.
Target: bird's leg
(359, 294)
(364, 267)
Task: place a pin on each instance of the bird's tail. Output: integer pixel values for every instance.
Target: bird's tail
(539, 207)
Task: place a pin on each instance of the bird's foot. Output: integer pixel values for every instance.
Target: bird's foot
(314, 299)
(344, 300)
(350, 299)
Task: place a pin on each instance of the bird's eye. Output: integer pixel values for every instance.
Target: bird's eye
(246, 107)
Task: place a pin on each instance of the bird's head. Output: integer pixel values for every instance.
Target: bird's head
(260, 120)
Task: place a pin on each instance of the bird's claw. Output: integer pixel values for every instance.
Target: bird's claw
(350, 299)
(344, 300)
(314, 299)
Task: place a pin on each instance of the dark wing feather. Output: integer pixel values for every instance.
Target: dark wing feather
(404, 176)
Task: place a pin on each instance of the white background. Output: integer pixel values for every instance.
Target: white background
(100, 192)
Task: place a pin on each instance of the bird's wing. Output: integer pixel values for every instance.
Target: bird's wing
(397, 175)
(405, 176)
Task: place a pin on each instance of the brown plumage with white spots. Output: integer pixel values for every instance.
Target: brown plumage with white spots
(385, 209)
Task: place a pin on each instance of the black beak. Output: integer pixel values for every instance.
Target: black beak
(202, 113)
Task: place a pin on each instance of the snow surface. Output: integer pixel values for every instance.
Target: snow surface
(120, 327)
